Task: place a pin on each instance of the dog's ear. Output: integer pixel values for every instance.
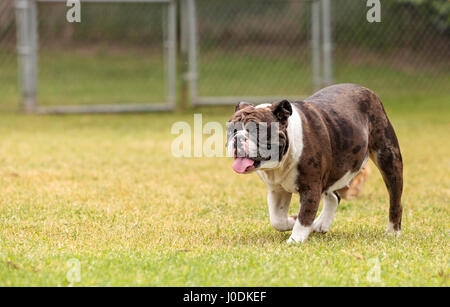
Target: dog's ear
(242, 105)
(282, 110)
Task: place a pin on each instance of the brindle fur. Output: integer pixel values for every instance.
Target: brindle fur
(342, 125)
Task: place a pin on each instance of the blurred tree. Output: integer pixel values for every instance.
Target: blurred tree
(437, 12)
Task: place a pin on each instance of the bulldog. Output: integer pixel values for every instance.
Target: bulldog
(317, 146)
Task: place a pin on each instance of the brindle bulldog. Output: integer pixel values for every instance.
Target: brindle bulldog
(321, 143)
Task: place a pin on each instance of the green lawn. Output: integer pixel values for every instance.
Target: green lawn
(105, 190)
(99, 76)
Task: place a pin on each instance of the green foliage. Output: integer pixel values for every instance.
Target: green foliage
(226, 24)
(405, 24)
(437, 12)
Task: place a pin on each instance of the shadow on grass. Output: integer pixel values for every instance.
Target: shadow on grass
(269, 236)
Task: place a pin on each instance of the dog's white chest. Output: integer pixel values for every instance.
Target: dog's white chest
(276, 180)
(285, 177)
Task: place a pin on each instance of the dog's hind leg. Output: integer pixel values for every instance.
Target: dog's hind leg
(325, 219)
(386, 155)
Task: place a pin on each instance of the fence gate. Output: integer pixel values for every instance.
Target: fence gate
(27, 20)
(256, 51)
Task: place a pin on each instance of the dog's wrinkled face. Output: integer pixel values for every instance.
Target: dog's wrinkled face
(257, 136)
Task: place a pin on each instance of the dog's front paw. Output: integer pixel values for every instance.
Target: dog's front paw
(291, 241)
(299, 233)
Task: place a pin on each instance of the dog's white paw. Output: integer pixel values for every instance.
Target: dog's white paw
(322, 224)
(291, 241)
(390, 231)
(299, 233)
(283, 224)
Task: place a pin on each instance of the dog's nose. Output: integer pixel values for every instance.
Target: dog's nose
(239, 145)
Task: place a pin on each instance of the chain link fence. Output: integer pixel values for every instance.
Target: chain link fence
(255, 49)
(267, 49)
(8, 58)
(120, 57)
(114, 55)
(117, 54)
(406, 53)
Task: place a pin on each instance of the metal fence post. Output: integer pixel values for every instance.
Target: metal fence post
(172, 52)
(327, 43)
(315, 45)
(27, 44)
(183, 54)
(189, 47)
(192, 50)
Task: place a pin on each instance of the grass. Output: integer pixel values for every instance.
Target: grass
(102, 76)
(106, 191)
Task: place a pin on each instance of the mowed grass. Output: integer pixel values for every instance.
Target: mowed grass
(106, 190)
(103, 76)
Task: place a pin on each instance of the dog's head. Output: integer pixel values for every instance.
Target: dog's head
(257, 136)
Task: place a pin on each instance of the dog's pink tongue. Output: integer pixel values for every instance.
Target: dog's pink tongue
(241, 164)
